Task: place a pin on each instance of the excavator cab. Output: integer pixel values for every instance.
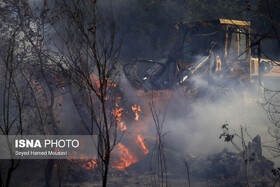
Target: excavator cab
(225, 42)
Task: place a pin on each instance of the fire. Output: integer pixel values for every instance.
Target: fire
(118, 114)
(126, 158)
(137, 111)
(122, 126)
(96, 82)
(141, 142)
(90, 165)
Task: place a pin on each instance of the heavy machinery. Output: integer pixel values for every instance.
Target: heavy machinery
(219, 51)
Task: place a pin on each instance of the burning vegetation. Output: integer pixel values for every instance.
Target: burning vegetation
(117, 112)
(137, 111)
(90, 164)
(143, 146)
(63, 71)
(126, 158)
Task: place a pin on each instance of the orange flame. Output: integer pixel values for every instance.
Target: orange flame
(118, 114)
(90, 165)
(96, 81)
(126, 158)
(60, 83)
(137, 111)
(143, 146)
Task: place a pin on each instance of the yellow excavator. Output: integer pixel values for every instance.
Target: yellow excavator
(218, 52)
